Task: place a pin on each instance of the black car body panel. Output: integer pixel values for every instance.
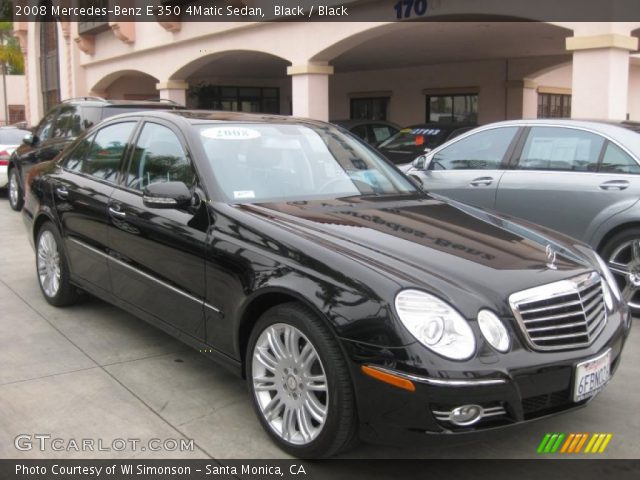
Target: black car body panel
(204, 273)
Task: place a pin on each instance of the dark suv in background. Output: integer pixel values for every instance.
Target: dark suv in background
(59, 127)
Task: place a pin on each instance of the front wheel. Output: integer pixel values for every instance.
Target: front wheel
(53, 269)
(16, 199)
(622, 254)
(301, 389)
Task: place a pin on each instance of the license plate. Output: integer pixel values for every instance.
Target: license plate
(591, 376)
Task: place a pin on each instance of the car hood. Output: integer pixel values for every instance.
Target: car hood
(432, 243)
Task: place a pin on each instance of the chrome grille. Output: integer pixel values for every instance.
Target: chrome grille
(561, 315)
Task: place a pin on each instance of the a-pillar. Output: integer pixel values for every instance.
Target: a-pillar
(600, 83)
(310, 90)
(174, 90)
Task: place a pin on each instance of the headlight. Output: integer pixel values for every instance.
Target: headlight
(435, 324)
(494, 330)
(611, 281)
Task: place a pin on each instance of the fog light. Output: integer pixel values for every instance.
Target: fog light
(466, 415)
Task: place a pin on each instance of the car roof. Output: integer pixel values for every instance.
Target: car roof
(215, 116)
(101, 102)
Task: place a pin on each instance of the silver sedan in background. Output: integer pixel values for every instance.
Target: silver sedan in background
(581, 178)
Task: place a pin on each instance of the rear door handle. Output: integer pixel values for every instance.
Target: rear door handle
(615, 185)
(114, 211)
(481, 182)
(62, 192)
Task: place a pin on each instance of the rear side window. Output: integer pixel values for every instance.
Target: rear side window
(100, 155)
(483, 151)
(616, 160)
(565, 149)
(158, 157)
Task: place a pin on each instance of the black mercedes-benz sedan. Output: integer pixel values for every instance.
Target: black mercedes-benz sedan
(354, 304)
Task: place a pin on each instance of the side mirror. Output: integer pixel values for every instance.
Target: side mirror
(29, 139)
(420, 163)
(167, 195)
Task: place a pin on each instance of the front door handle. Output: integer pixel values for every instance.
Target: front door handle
(114, 211)
(615, 185)
(62, 192)
(481, 182)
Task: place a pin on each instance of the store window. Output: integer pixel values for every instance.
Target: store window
(373, 108)
(17, 114)
(238, 99)
(552, 105)
(459, 108)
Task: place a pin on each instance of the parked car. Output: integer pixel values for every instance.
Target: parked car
(417, 140)
(10, 138)
(374, 132)
(580, 178)
(353, 303)
(58, 128)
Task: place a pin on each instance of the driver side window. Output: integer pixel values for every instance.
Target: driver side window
(481, 151)
(159, 157)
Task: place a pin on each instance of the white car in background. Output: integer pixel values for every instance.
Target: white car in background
(10, 139)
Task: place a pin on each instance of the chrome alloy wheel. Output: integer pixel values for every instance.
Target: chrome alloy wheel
(624, 263)
(48, 259)
(13, 189)
(290, 384)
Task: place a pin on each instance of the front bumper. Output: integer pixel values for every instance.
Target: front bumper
(517, 387)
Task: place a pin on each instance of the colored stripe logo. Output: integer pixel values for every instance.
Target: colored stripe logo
(573, 443)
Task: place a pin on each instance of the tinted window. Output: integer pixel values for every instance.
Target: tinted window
(568, 149)
(158, 157)
(382, 132)
(416, 139)
(76, 158)
(45, 129)
(68, 123)
(482, 151)
(360, 131)
(104, 154)
(616, 160)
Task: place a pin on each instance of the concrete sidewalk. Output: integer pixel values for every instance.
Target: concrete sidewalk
(93, 371)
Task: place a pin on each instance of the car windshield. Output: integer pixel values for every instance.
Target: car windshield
(415, 139)
(284, 162)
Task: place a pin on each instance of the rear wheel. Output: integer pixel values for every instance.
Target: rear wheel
(301, 389)
(622, 254)
(16, 199)
(53, 269)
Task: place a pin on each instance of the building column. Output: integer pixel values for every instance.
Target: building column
(600, 83)
(521, 99)
(310, 90)
(174, 90)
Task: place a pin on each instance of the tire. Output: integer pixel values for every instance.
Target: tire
(624, 262)
(313, 434)
(52, 268)
(14, 192)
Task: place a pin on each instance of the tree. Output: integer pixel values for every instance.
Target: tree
(10, 53)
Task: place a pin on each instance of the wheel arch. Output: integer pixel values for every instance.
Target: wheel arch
(40, 219)
(260, 302)
(615, 231)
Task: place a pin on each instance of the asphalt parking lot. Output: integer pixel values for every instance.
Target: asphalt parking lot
(94, 371)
